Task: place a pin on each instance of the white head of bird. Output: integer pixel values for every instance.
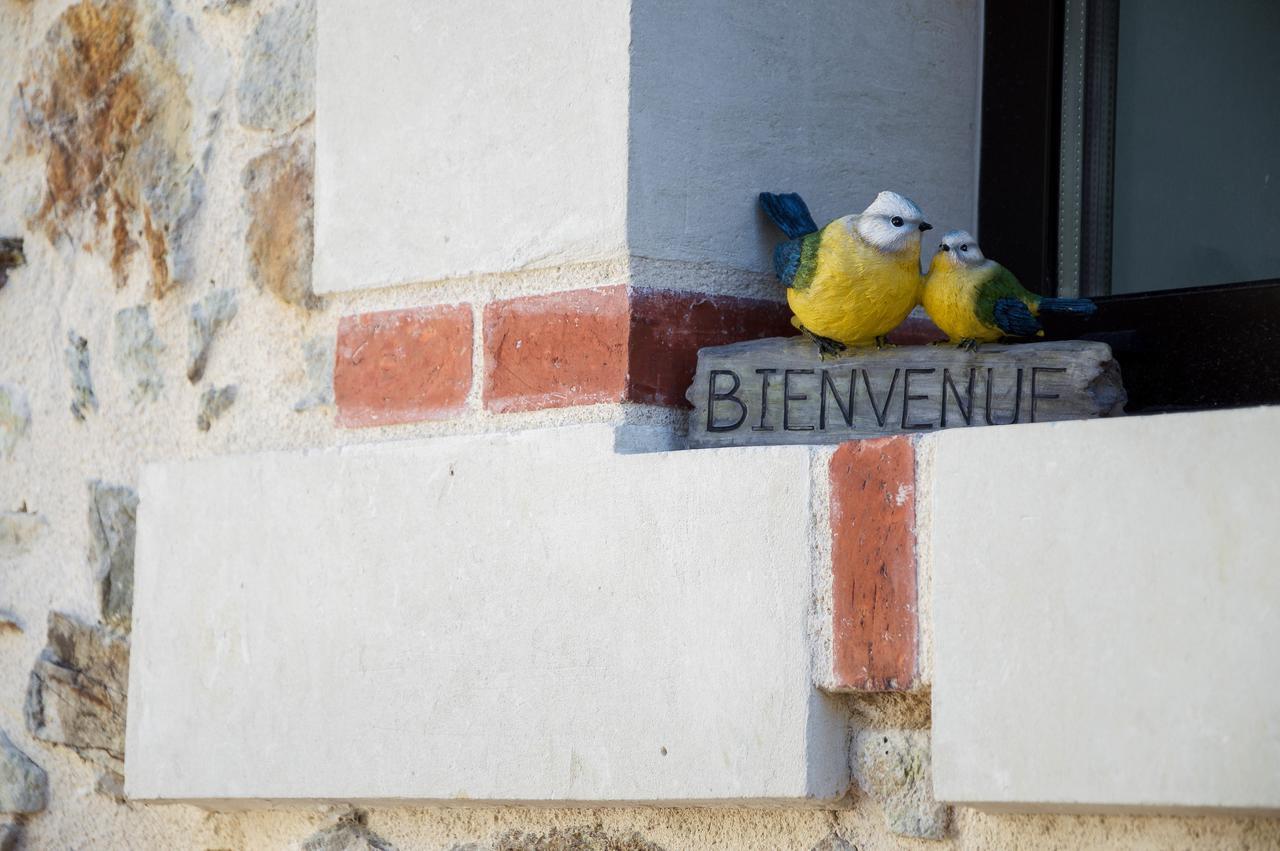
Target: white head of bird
(892, 222)
(959, 247)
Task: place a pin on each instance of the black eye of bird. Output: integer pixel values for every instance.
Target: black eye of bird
(964, 248)
(896, 221)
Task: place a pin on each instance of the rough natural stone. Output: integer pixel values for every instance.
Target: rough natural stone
(137, 353)
(111, 784)
(280, 238)
(592, 838)
(892, 709)
(9, 622)
(318, 353)
(214, 402)
(224, 5)
(351, 833)
(77, 695)
(208, 317)
(10, 836)
(834, 842)
(11, 257)
(120, 101)
(277, 78)
(83, 399)
(24, 788)
(18, 530)
(15, 417)
(894, 767)
(113, 512)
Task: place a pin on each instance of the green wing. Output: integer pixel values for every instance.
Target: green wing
(1004, 303)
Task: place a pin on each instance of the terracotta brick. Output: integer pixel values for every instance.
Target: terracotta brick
(557, 350)
(668, 328)
(611, 344)
(403, 366)
(873, 559)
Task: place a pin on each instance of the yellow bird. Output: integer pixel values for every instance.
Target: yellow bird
(854, 280)
(975, 300)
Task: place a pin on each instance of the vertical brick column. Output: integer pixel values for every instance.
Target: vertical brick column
(873, 555)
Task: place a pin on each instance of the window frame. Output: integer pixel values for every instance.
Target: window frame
(1197, 348)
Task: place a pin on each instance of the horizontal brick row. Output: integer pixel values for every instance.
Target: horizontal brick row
(401, 366)
(582, 347)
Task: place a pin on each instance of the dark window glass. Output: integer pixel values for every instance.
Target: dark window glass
(1196, 168)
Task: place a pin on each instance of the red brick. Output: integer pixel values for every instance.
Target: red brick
(611, 344)
(873, 560)
(403, 366)
(557, 350)
(668, 328)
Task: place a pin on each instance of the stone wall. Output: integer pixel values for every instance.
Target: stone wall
(156, 164)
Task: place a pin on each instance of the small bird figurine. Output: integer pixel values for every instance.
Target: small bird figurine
(975, 300)
(854, 280)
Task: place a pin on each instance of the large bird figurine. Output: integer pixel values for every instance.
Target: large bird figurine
(852, 282)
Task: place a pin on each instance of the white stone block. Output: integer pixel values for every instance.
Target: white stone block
(1106, 603)
(454, 139)
(524, 617)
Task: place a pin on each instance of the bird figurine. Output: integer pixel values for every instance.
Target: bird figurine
(855, 280)
(975, 300)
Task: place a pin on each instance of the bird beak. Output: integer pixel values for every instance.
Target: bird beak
(924, 226)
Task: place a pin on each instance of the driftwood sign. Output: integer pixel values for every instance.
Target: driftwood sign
(779, 391)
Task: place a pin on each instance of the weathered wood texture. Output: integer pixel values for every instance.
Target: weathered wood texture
(779, 391)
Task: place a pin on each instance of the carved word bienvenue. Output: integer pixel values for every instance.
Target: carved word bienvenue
(780, 391)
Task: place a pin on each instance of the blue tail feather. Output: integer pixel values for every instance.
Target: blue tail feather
(1077, 306)
(789, 213)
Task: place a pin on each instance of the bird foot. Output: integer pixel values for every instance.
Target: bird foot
(883, 343)
(968, 344)
(827, 347)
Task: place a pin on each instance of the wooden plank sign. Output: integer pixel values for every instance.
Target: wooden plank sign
(778, 390)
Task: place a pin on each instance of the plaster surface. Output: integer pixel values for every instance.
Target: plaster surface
(452, 139)
(1105, 604)
(834, 100)
(469, 619)
(492, 138)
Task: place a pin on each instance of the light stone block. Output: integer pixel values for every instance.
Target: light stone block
(1106, 606)
(456, 138)
(527, 617)
(490, 137)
